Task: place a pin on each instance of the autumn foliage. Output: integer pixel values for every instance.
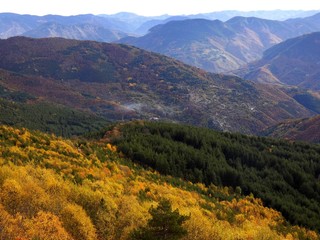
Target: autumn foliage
(54, 188)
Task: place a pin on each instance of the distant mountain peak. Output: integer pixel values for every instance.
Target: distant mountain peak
(293, 62)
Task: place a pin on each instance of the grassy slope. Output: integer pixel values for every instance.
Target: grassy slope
(55, 188)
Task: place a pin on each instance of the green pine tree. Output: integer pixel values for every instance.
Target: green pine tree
(165, 224)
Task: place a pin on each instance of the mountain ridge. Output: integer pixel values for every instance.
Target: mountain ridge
(218, 46)
(16, 25)
(123, 82)
(213, 45)
(293, 62)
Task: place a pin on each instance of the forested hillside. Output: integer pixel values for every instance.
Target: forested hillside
(120, 82)
(285, 175)
(54, 188)
(20, 109)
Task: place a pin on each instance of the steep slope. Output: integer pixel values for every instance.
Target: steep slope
(253, 35)
(285, 175)
(294, 62)
(50, 118)
(221, 46)
(306, 25)
(298, 130)
(24, 110)
(122, 82)
(197, 42)
(54, 188)
(15, 24)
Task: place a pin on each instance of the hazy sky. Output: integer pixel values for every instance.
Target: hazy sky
(149, 7)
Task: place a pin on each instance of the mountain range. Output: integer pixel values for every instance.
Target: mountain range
(89, 27)
(122, 82)
(96, 187)
(124, 22)
(280, 15)
(218, 46)
(127, 158)
(197, 40)
(293, 62)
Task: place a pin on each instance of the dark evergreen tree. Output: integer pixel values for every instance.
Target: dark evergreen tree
(165, 224)
(285, 175)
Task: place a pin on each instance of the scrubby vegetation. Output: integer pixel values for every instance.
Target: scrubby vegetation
(55, 188)
(306, 129)
(285, 175)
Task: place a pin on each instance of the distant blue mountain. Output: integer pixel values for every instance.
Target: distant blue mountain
(213, 45)
(293, 62)
(14, 24)
(89, 27)
(218, 46)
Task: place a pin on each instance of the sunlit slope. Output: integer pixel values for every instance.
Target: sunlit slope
(121, 82)
(53, 188)
(285, 175)
(294, 62)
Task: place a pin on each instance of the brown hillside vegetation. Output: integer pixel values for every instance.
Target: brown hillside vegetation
(294, 62)
(122, 82)
(299, 130)
(54, 188)
(218, 46)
